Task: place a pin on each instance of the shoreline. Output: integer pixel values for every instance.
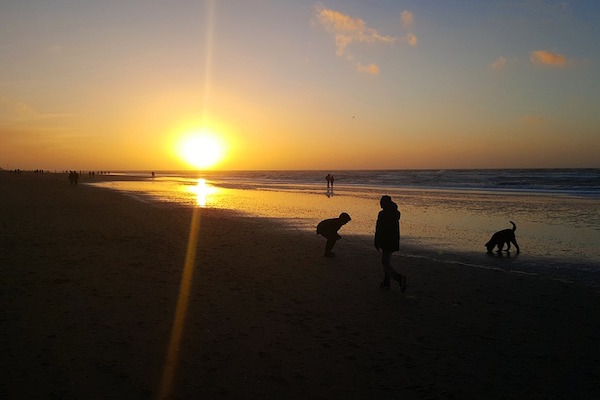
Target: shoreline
(587, 270)
(422, 233)
(223, 179)
(91, 280)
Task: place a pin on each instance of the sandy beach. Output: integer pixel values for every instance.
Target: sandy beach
(90, 284)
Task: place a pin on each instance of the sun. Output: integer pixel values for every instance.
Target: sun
(201, 149)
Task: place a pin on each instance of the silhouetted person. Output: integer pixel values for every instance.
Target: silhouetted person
(73, 178)
(331, 179)
(387, 239)
(328, 179)
(329, 229)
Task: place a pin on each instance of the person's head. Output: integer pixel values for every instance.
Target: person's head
(344, 217)
(385, 201)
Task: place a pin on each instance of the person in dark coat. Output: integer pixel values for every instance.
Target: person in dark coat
(387, 240)
(329, 229)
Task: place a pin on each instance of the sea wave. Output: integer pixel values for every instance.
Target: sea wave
(575, 182)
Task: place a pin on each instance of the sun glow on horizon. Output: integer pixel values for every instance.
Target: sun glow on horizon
(201, 148)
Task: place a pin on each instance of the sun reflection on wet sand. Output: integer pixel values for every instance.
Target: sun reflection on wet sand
(202, 191)
(447, 220)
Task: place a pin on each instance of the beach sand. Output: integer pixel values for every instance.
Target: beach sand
(90, 281)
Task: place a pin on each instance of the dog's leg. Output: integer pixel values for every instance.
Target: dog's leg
(516, 246)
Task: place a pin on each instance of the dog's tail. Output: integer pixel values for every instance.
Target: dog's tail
(514, 226)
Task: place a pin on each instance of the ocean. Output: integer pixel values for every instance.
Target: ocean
(446, 214)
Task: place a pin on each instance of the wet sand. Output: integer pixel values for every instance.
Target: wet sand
(90, 282)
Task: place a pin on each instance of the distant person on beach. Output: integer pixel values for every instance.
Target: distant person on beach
(73, 178)
(387, 240)
(331, 179)
(328, 179)
(329, 228)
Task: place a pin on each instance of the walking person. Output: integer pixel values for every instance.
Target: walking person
(387, 240)
(329, 228)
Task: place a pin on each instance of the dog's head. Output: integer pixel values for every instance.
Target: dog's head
(490, 246)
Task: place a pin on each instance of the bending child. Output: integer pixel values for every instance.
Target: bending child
(329, 229)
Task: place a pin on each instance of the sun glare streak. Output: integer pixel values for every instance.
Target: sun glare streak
(166, 383)
(209, 53)
(180, 309)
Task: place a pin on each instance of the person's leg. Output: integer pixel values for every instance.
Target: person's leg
(329, 245)
(390, 271)
(385, 262)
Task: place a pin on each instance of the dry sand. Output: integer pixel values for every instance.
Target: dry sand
(90, 280)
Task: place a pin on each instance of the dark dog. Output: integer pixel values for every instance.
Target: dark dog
(505, 236)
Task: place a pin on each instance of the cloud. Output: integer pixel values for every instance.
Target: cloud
(410, 38)
(371, 69)
(499, 64)
(348, 30)
(407, 18)
(544, 57)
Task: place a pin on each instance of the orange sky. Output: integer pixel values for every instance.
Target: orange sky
(336, 85)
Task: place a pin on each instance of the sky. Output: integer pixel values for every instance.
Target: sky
(341, 84)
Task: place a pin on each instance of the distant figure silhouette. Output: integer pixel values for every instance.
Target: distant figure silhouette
(387, 239)
(153, 174)
(329, 228)
(328, 179)
(331, 179)
(73, 178)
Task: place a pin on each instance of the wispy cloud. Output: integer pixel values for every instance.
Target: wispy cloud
(410, 38)
(348, 30)
(499, 64)
(544, 57)
(371, 69)
(407, 18)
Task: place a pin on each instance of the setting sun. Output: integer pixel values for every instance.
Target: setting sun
(201, 149)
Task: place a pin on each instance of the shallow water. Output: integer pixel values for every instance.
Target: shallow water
(556, 232)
